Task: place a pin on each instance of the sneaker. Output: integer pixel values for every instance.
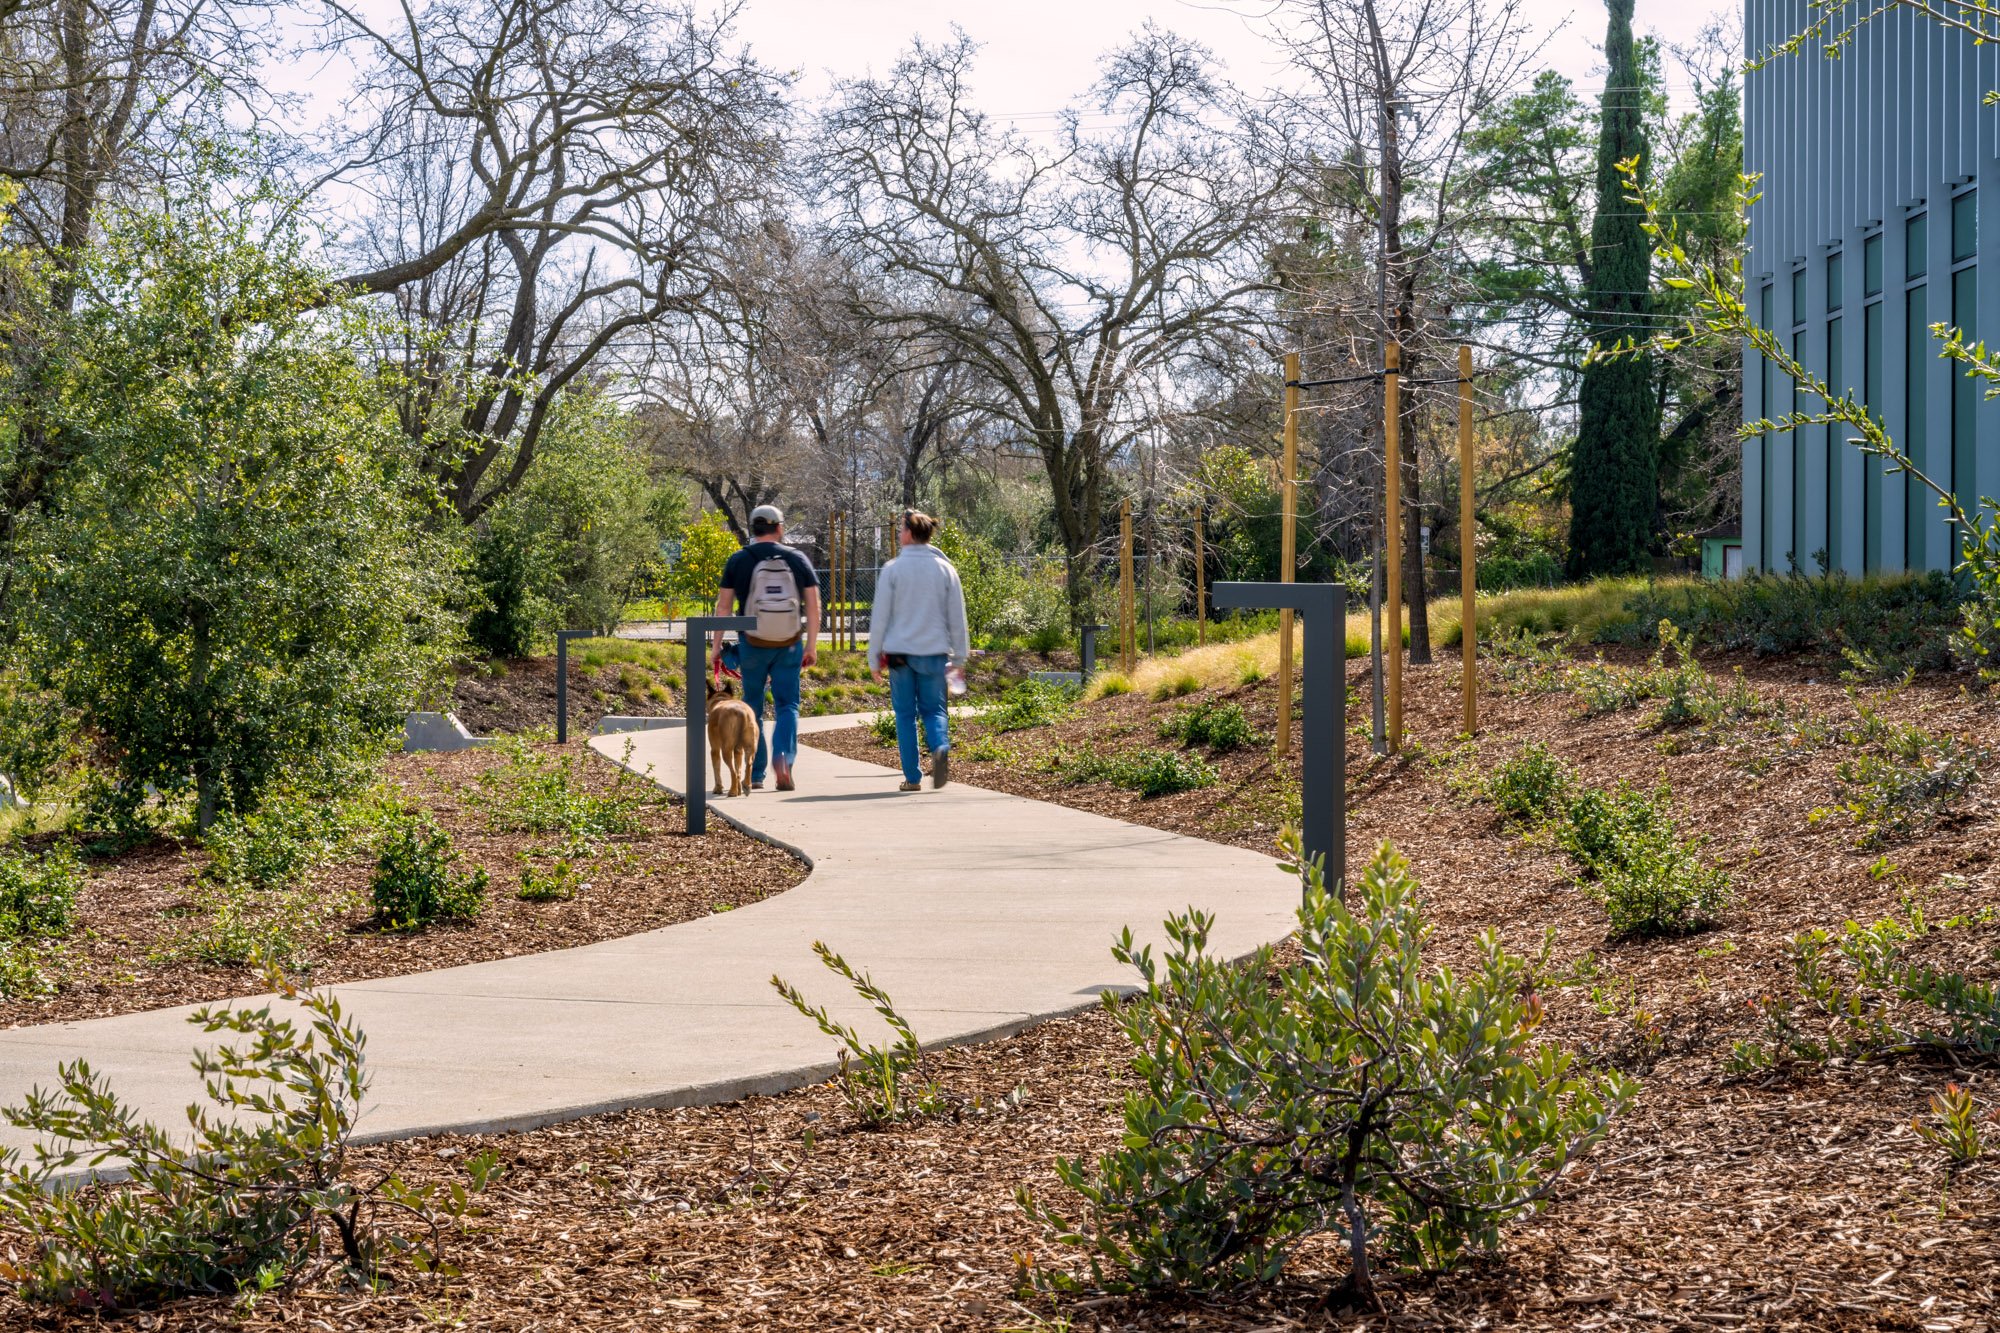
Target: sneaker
(909, 786)
(757, 784)
(940, 769)
(783, 772)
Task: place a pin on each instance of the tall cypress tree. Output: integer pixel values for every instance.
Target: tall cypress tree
(1613, 466)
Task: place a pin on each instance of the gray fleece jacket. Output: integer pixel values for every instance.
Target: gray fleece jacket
(919, 608)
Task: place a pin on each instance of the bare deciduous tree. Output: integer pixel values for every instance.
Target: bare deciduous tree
(561, 176)
(1060, 276)
(1400, 84)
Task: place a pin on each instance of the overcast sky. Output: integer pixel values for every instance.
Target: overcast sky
(1040, 53)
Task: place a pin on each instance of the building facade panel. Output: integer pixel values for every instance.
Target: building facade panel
(1873, 168)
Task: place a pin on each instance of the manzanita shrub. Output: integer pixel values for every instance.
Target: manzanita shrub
(1357, 1093)
(249, 1191)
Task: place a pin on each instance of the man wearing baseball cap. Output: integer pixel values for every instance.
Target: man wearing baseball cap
(776, 584)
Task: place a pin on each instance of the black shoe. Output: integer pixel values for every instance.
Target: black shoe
(940, 769)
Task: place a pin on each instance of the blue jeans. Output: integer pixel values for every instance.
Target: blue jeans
(779, 669)
(917, 691)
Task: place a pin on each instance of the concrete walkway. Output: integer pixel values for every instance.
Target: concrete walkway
(981, 913)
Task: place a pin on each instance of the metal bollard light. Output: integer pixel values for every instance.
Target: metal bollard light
(1323, 767)
(698, 630)
(1087, 649)
(563, 636)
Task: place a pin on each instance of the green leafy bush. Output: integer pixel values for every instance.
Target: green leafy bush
(1866, 989)
(557, 884)
(1907, 781)
(1358, 1092)
(881, 1084)
(1531, 787)
(415, 882)
(1891, 622)
(278, 617)
(1219, 724)
(257, 1184)
(1650, 880)
(38, 892)
(1030, 703)
(538, 791)
(272, 846)
(883, 728)
(1148, 772)
(568, 546)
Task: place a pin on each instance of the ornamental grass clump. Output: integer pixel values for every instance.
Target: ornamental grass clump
(1358, 1093)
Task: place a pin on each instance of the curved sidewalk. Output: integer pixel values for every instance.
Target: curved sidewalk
(979, 912)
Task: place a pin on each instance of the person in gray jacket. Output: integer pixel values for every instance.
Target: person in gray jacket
(917, 635)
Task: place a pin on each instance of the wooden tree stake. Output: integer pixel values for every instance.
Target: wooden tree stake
(1200, 584)
(1392, 512)
(1288, 558)
(1468, 583)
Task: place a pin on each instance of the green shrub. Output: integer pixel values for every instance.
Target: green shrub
(881, 1084)
(558, 884)
(1163, 773)
(1219, 724)
(1358, 1092)
(415, 883)
(1531, 787)
(272, 846)
(537, 791)
(1526, 662)
(1030, 703)
(1651, 881)
(1148, 772)
(235, 925)
(883, 728)
(1177, 685)
(1890, 623)
(38, 892)
(1861, 990)
(1908, 780)
(254, 1187)
(28, 969)
(1597, 825)
(1662, 886)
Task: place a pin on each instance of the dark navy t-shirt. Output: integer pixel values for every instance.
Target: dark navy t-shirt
(736, 573)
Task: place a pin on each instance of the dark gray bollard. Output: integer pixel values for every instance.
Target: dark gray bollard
(1323, 732)
(1087, 649)
(563, 636)
(698, 630)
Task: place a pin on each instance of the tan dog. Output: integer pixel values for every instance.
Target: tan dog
(732, 739)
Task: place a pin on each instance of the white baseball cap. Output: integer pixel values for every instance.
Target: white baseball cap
(768, 514)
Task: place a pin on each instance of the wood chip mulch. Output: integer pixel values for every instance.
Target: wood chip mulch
(128, 952)
(1801, 1201)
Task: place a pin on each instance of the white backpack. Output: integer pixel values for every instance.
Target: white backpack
(774, 600)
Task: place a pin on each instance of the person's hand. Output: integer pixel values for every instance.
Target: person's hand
(811, 656)
(881, 673)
